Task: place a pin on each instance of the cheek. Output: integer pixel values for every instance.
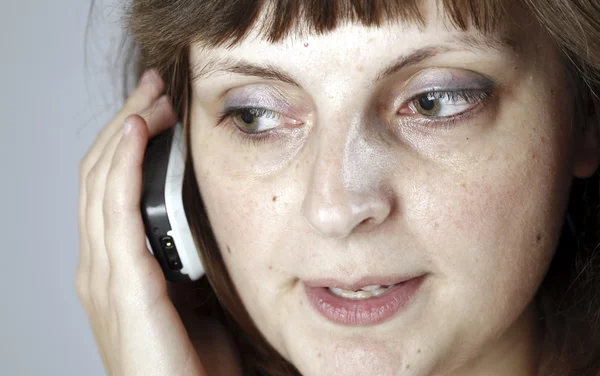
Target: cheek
(498, 219)
(241, 217)
(491, 230)
(235, 215)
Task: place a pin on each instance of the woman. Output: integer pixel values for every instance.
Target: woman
(375, 188)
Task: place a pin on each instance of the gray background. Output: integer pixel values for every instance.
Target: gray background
(52, 105)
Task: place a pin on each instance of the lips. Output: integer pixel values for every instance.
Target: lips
(362, 312)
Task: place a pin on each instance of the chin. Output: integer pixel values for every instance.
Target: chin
(357, 355)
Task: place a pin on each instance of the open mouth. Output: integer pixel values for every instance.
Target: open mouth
(369, 305)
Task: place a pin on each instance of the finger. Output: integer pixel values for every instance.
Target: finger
(131, 263)
(151, 85)
(157, 117)
(149, 89)
(83, 264)
(99, 270)
(157, 113)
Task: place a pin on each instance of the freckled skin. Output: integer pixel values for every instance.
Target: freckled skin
(358, 195)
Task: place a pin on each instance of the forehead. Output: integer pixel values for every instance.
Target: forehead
(356, 45)
(401, 41)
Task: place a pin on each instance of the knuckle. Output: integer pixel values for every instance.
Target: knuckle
(150, 109)
(81, 284)
(113, 291)
(111, 207)
(131, 106)
(138, 101)
(84, 165)
(91, 180)
(97, 294)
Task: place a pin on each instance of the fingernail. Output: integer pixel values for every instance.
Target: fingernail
(148, 77)
(127, 127)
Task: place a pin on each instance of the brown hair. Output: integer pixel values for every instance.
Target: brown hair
(569, 297)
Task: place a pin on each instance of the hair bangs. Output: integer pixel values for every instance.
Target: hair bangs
(225, 22)
(322, 16)
(280, 18)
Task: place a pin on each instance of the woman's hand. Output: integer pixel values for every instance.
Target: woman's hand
(121, 286)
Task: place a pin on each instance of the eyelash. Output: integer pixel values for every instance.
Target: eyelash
(470, 96)
(444, 122)
(246, 137)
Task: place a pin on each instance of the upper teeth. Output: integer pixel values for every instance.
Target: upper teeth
(365, 292)
(371, 288)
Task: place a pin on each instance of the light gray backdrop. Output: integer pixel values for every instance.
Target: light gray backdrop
(51, 108)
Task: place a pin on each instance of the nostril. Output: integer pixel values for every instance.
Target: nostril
(365, 222)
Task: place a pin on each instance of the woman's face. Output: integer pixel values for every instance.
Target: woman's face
(368, 156)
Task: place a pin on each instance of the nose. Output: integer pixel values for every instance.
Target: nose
(346, 191)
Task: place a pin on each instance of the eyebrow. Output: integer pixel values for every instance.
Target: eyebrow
(270, 72)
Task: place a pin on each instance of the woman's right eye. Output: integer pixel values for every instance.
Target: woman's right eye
(256, 123)
(254, 120)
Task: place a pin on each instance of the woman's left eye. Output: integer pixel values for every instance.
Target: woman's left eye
(443, 104)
